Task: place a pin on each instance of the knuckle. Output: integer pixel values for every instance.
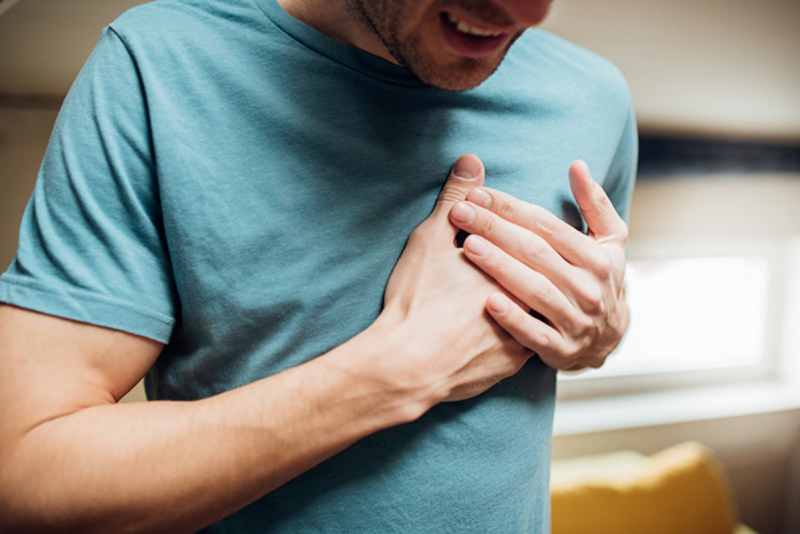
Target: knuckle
(601, 197)
(532, 248)
(497, 267)
(542, 293)
(577, 349)
(591, 300)
(452, 194)
(517, 320)
(544, 222)
(538, 293)
(584, 327)
(503, 208)
(485, 225)
(602, 266)
(564, 359)
(540, 339)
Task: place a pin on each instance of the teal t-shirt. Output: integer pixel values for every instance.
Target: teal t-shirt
(228, 181)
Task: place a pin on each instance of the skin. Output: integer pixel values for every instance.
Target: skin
(575, 281)
(408, 33)
(72, 459)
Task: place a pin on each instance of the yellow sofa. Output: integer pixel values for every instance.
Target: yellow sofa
(681, 490)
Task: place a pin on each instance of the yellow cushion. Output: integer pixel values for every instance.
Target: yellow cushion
(682, 490)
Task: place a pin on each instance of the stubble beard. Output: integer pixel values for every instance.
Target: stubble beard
(465, 73)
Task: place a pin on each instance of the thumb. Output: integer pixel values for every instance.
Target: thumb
(467, 174)
(601, 217)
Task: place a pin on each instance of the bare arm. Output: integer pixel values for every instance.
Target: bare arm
(71, 456)
(71, 459)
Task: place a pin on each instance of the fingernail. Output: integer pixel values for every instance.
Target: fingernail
(463, 213)
(480, 197)
(497, 303)
(477, 246)
(467, 168)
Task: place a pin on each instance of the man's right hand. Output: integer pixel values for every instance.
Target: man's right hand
(451, 349)
(73, 460)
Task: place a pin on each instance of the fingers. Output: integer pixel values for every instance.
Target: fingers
(531, 288)
(526, 330)
(601, 217)
(569, 243)
(525, 246)
(532, 333)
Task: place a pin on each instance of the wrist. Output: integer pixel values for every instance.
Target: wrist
(377, 364)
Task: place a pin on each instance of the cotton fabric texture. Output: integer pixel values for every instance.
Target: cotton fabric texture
(228, 181)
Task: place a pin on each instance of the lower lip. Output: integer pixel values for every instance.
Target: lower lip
(470, 45)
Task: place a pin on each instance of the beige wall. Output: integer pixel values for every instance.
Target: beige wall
(724, 206)
(720, 67)
(23, 140)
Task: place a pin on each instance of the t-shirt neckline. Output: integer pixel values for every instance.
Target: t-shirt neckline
(349, 56)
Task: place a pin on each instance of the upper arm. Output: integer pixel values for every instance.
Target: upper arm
(51, 367)
(92, 256)
(93, 246)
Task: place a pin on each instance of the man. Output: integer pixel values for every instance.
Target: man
(225, 197)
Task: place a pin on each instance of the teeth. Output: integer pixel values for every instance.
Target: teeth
(470, 30)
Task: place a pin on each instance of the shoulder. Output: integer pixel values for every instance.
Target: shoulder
(202, 24)
(556, 53)
(569, 70)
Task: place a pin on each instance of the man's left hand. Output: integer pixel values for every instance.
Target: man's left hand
(571, 307)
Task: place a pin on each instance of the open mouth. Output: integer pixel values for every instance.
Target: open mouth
(468, 40)
(465, 28)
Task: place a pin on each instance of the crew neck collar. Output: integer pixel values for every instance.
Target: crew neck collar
(349, 56)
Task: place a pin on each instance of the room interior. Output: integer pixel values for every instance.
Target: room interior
(716, 87)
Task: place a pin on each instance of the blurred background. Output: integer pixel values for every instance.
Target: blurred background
(713, 353)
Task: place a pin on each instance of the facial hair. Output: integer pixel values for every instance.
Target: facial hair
(383, 18)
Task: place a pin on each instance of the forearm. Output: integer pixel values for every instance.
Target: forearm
(178, 466)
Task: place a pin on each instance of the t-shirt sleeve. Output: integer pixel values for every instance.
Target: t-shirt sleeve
(92, 246)
(621, 175)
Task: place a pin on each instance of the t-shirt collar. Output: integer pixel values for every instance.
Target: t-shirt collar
(350, 56)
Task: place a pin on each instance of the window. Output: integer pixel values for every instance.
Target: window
(702, 312)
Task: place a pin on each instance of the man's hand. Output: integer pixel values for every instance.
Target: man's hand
(573, 311)
(434, 305)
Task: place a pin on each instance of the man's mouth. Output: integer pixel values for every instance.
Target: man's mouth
(463, 27)
(467, 39)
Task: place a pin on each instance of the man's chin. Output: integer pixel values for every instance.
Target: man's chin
(467, 74)
(459, 74)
